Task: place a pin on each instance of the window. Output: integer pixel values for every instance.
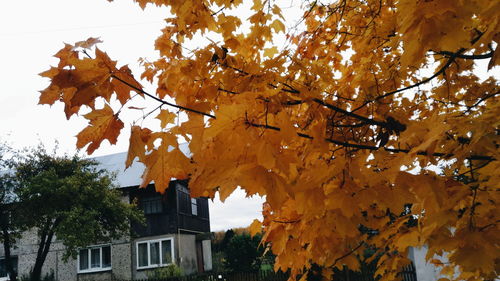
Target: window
(155, 253)
(152, 205)
(187, 205)
(92, 259)
(3, 268)
(194, 206)
(202, 208)
(184, 200)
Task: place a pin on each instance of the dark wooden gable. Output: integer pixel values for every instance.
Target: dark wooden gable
(172, 212)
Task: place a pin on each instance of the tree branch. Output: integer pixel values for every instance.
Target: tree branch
(439, 72)
(160, 100)
(292, 221)
(351, 114)
(348, 253)
(467, 57)
(469, 108)
(374, 148)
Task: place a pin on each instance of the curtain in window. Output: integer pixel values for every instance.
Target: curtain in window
(95, 258)
(84, 259)
(166, 251)
(143, 254)
(106, 256)
(154, 253)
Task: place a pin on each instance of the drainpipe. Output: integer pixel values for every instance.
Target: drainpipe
(57, 265)
(177, 225)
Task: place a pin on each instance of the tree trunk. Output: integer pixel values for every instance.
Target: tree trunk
(43, 249)
(8, 259)
(7, 239)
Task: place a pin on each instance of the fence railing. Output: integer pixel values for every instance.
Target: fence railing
(235, 276)
(407, 274)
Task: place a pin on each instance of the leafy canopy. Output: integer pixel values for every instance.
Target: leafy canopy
(58, 197)
(243, 253)
(338, 125)
(71, 197)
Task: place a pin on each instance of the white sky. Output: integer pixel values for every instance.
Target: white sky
(32, 31)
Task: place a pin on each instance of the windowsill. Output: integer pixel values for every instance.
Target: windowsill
(93, 270)
(4, 278)
(152, 266)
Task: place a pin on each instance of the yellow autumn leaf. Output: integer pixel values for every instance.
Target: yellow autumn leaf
(270, 52)
(103, 124)
(265, 156)
(278, 26)
(139, 137)
(166, 117)
(255, 227)
(163, 165)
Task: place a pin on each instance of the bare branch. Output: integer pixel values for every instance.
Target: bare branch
(162, 101)
(467, 57)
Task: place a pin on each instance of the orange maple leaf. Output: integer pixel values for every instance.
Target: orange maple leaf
(104, 124)
(123, 82)
(138, 137)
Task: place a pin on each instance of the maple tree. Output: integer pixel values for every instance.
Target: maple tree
(341, 127)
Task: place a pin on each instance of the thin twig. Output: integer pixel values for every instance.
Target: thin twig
(348, 253)
(162, 101)
(439, 72)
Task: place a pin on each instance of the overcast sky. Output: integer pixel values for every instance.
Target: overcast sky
(32, 31)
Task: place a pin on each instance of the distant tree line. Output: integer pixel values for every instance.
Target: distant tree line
(235, 250)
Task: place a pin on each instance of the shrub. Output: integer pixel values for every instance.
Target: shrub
(164, 272)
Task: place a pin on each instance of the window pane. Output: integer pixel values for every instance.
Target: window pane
(166, 252)
(84, 259)
(154, 253)
(158, 206)
(95, 258)
(184, 202)
(194, 206)
(14, 263)
(3, 268)
(143, 254)
(152, 205)
(147, 207)
(106, 256)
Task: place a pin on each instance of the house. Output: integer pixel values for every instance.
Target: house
(176, 232)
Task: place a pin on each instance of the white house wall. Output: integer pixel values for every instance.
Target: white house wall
(26, 250)
(186, 244)
(424, 270)
(207, 255)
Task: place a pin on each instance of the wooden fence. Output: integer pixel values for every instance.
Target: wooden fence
(236, 276)
(368, 274)
(407, 274)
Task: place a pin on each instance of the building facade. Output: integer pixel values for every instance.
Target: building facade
(177, 231)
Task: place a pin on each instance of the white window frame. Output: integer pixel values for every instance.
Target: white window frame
(95, 269)
(149, 242)
(194, 206)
